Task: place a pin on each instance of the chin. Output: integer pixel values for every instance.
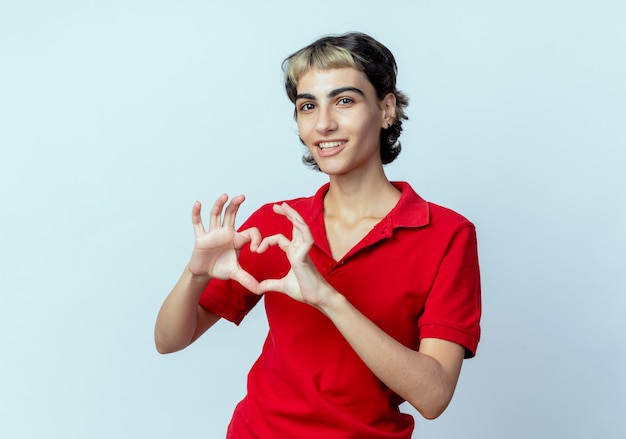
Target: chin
(331, 170)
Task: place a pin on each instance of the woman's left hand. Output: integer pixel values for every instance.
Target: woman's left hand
(303, 282)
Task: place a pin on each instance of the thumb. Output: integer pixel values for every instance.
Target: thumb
(246, 280)
(267, 285)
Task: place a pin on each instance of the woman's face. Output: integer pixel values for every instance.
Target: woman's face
(340, 117)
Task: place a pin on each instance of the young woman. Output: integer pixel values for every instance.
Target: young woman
(372, 294)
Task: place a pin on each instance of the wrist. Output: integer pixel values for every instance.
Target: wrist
(197, 278)
(334, 304)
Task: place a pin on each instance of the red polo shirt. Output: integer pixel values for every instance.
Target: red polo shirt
(415, 275)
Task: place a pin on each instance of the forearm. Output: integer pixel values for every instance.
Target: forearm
(422, 380)
(177, 321)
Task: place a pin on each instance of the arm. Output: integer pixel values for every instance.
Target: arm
(425, 378)
(181, 320)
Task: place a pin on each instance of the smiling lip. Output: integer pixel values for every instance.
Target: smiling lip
(330, 144)
(328, 148)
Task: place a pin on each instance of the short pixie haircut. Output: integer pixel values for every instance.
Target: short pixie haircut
(361, 52)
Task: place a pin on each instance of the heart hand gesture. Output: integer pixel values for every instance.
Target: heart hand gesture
(303, 282)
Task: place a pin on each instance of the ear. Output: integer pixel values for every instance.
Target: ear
(388, 107)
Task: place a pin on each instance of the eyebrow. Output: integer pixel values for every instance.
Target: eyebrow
(332, 94)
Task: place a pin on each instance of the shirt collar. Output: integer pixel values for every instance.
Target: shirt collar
(410, 211)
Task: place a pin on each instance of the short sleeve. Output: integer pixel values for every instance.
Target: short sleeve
(453, 307)
(228, 299)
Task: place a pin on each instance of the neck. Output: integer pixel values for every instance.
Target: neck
(370, 196)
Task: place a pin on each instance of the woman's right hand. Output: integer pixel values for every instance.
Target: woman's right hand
(216, 251)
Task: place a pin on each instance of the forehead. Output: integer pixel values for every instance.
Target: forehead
(321, 81)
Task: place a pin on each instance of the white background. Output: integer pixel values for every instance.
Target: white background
(116, 116)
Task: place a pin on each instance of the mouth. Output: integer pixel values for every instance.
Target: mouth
(330, 145)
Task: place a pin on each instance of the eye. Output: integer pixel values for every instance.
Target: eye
(345, 101)
(306, 107)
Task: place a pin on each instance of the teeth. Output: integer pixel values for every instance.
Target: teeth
(327, 145)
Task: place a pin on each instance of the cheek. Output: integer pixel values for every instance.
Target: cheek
(370, 129)
(304, 130)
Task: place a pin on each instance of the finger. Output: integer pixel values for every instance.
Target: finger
(269, 241)
(246, 280)
(230, 213)
(292, 213)
(296, 219)
(196, 219)
(289, 212)
(253, 235)
(216, 212)
(304, 231)
(275, 285)
(279, 209)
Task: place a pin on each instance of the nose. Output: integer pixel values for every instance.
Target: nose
(326, 121)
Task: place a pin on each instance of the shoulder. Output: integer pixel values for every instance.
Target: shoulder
(441, 216)
(308, 207)
(302, 204)
(413, 211)
(268, 221)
